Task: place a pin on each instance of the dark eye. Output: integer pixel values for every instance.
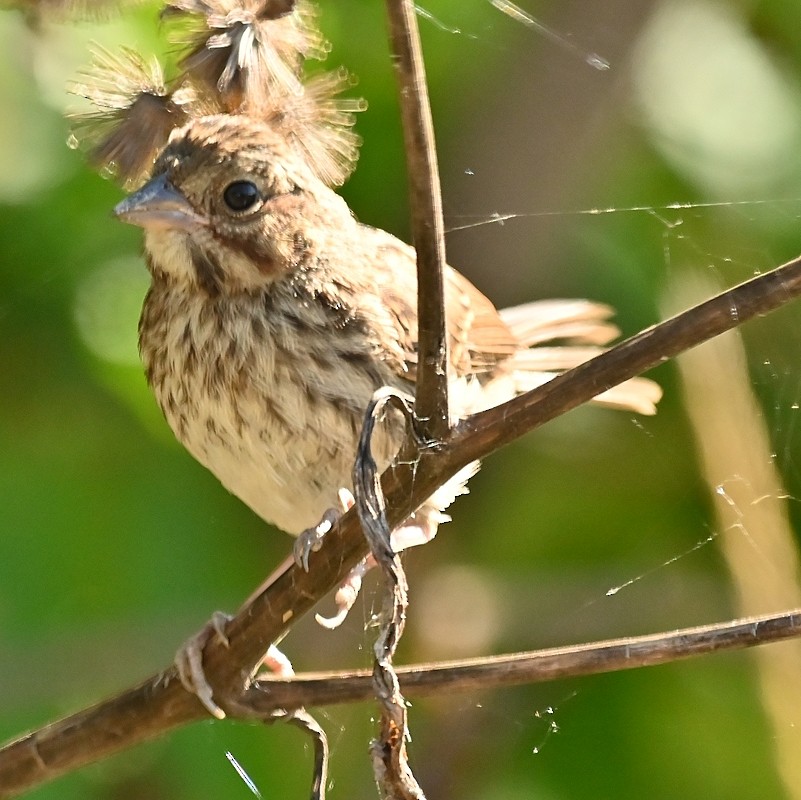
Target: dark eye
(241, 195)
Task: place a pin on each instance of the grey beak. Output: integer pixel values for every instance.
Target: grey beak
(158, 204)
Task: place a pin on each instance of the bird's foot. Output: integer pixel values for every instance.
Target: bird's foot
(419, 529)
(276, 663)
(311, 540)
(346, 594)
(189, 661)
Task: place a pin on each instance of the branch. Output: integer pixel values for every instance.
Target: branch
(32, 759)
(161, 703)
(428, 228)
(539, 666)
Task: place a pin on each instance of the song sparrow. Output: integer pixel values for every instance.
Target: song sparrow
(274, 315)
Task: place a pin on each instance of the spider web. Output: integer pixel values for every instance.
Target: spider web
(649, 185)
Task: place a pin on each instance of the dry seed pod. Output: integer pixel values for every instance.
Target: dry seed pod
(134, 113)
(248, 50)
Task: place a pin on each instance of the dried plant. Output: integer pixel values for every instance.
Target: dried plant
(134, 112)
(248, 52)
(243, 58)
(319, 125)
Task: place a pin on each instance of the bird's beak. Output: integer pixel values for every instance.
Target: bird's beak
(158, 204)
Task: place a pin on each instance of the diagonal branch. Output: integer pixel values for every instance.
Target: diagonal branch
(490, 430)
(161, 703)
(428, 228)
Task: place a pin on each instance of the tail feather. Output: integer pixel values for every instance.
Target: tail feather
(636, 394)
(583, 326)
(578, 321)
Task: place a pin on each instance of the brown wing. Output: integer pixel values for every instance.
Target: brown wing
(504, 349)
(478, 338)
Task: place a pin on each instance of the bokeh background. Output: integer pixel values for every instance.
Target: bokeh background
(671, 173)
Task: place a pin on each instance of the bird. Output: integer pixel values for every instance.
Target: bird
(274, 315)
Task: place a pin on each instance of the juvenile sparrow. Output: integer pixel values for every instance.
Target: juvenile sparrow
(274, 315)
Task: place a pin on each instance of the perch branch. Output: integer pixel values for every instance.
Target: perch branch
(29, 761)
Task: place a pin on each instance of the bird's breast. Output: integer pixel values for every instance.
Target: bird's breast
(267, 395)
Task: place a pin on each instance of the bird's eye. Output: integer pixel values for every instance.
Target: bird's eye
(241, 195)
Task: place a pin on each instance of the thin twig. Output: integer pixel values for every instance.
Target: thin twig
(490, 430)
(428, 229)
(539, 666)
(391, 768)
(161, 703)
(307, 723)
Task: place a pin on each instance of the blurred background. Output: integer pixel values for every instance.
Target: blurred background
(645, 154)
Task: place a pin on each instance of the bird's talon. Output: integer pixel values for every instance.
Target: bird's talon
(347, 594)
(277, 663)
(189, 662)
(346, 499)
(311, 540)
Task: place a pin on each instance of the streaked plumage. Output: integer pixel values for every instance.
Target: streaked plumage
(267, 330)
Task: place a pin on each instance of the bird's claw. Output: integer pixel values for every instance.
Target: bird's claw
(417, 530)
(311, 540)
(346, 594)
(189, 661)
(277, 664)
